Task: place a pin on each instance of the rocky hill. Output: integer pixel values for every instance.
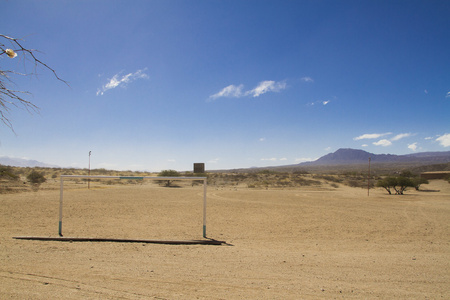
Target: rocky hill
(354, 156)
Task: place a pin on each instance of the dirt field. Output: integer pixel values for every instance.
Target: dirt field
(304, 243)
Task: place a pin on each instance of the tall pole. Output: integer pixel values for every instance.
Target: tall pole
(368, 180)
(204, 208)
(89, 180)
(61, 188)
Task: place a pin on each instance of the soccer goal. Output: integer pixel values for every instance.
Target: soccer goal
(68, 177)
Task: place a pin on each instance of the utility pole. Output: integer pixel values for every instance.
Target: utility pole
(89, 180)
(368, 180)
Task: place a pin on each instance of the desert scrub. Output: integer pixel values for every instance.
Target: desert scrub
(7, 172)
(306, 182)
(328, 178)
(36, 177)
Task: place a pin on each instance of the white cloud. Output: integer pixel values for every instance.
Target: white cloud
(307, 79)
(283, 159)
(231, 91)
(448, 95)
(371, 136)
(383, 143)
(269, 159)
(118, 80)
(412, 146)
(263, 139)
(400, 136)
(262, 88)
(267, 86)
(323, 102)
(364, 145)
(303, 159)
(444, 140)
(213, 161)
(429, 138)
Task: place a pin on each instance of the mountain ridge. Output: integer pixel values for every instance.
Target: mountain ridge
(357, 156)
(21, 162)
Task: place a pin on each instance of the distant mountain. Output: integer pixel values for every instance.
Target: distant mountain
(19, 162)
(354, 156)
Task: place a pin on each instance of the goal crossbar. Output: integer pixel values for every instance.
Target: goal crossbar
(61, 193)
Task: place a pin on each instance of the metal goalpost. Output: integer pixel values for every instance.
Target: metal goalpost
(204, 179)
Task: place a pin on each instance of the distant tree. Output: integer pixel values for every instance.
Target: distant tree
(169, 173)
(402, 184)
(407, 174)
(36, 177)
(399, 184)
(417, 181)
(12, 47)
(387, 183)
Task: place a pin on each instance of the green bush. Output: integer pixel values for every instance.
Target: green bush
(7, 172)
(36, 177)
(169, 173)
(399, 184)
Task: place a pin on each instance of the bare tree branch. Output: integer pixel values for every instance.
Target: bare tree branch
(14, 98)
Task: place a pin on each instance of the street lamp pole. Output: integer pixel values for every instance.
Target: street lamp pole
(368, 180)
(89, 180)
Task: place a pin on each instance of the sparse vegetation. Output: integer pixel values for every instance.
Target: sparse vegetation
(169, 173)
(36, 177)
(398, 184)
(418, 181)
(7, 172)
(14, 179)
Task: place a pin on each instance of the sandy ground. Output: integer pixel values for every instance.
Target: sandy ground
(283, 244)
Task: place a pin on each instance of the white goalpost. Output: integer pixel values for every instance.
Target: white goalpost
(63, 177)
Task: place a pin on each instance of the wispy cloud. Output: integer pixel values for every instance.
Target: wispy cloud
(383, 143)
(412, 146)
(448, 95)
(236, 91)
(263, 139)
(444, 140)
(269, 159)
(323, 102)
(274, 159)
(371, 136)
(231, 91)
(213, 161)
(400, 136)
(267, 86)
(307, 79)
(303, 159)
(118, 80)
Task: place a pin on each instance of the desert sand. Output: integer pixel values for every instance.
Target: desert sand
(305, 243)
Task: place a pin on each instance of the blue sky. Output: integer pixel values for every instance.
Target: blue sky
(162, 84)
